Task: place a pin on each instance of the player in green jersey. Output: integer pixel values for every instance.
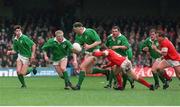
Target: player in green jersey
(156, 57)
(60, 48)
(90, 41)
(119, 44)
(25, 48)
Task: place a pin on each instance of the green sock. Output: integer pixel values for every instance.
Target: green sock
(155, 75)
(99, 70)
(125, 78)
(29, 70)
(21, 79)
(161, 78)
(81, 77)
(66, 78)
(111, 76)
(129, 79)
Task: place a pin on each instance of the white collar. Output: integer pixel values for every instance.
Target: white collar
(58, 41)
(84, 30)
(117, 36)
(18, 38)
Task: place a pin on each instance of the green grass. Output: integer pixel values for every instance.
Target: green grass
(49, 91)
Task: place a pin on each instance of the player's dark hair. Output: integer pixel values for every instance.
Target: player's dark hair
(77, 24)
(116, 27)
(160, 33)
(17, 27)
(152, 30)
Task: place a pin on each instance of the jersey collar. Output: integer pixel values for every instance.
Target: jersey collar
(117, 36)
(84, 30)
(59, 42)
(18, 38)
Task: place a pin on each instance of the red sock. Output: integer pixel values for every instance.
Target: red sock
(119, 80)
(142, 81)
(165, 75)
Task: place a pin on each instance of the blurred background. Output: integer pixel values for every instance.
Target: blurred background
(41, 18)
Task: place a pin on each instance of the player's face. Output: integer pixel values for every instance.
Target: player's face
(18, 32)
(59, 38)
(77, 30)
(153, 36)
(115, 32)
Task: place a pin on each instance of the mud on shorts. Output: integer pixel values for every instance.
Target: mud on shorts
(126, 66)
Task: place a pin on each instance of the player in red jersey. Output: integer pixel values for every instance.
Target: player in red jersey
(171, 58)
(123, 64)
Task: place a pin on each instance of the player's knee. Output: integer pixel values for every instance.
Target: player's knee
(82, 68)
(159, 69)
(21, 73)
(18, 72)
(63, 69)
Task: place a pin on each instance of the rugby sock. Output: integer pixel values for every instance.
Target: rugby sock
(119, 80)
(124, 76)
(111, 77)
(142, 81)
(155, 76)
(130, 79)
(66, 78)
(21, 79)
(29, 70)
(161, 78)
(98, 70)
(166, 76)
(81, 77)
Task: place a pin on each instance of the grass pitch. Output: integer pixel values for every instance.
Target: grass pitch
(49, 91)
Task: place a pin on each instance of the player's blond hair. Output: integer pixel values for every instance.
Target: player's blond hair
(59, 33)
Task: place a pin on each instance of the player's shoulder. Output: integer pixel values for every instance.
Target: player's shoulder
(148, 39)
(122, 36)
(166, 41)
(66, 40)
(89, 30)
(109, 36)
(24, 36)
(51, 40)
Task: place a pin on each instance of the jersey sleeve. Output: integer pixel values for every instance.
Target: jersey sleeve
(95, 36)
(164, 47)
(28, 41)
(125, 42)
(107, 42)
(15, 47)
(47, 45)
(70, 46)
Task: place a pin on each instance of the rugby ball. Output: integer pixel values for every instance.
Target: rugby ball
(77, 47)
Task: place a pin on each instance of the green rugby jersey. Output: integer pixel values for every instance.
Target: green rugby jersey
(120, 40)
(58, 50)
(89, 36)
(148, 43)
(23, 45)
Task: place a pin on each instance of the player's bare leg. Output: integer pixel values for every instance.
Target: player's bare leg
(86, 66)
(140, 80)
(177, 71)
(21, 71)
(117, 72)
(160, 69)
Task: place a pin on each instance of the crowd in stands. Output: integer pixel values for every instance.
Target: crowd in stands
(40, 27)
